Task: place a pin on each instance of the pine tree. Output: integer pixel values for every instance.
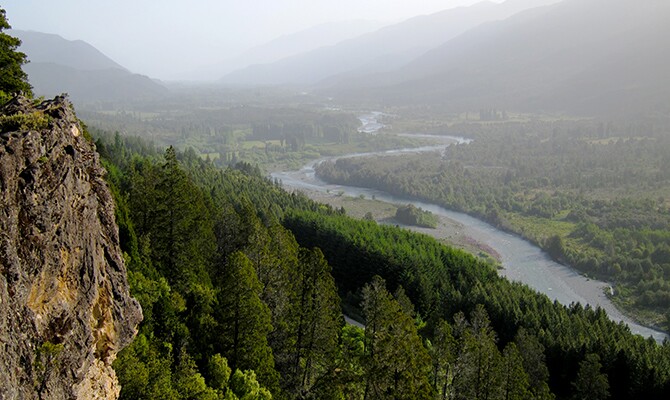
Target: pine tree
(479, 361)
(188, 382)
(182, 234)
(397, 364)
(514, 379)
(273, 253)
(144, 370)
(591, 384)
(532, 352)
(12, 78)
(318, 324)
(245, 321)
(234, 386)
(443, 352)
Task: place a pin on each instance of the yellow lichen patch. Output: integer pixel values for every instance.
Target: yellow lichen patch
(50, 294)
(102, 325)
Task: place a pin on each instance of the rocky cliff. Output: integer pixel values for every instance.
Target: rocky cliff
(65, 309)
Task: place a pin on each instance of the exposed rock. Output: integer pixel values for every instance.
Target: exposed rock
(65, 309)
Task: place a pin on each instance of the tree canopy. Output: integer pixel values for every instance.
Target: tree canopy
(12, 78)
(257, 313)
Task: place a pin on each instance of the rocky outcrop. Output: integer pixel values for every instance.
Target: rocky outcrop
(65, 309)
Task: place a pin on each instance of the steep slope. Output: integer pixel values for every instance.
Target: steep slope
(579, 56)
(382, 50)
(58, 65)
(309, 39)
(288, 45)
(63, 288)
(49, 48)
(86, 86)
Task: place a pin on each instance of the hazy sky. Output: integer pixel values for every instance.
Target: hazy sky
(163, 38)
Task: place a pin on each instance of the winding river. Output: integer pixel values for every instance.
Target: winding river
(521, 260)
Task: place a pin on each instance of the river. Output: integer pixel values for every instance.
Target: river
(521, 260)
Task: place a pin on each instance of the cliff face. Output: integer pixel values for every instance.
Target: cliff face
(65, 309)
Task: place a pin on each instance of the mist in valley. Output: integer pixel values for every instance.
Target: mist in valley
(532, 134)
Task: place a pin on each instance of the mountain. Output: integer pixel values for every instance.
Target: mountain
(578, 56)
(75, 67)
(110, 84)
(327, 34)
(289, 45)
(62, 273)
(385, 49)
(48, 48)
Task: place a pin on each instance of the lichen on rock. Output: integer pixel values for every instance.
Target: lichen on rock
(63, 281)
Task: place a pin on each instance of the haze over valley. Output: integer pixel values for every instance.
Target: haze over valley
(574, 57)
(325, 200)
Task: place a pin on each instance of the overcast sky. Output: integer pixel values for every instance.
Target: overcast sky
(163, 38)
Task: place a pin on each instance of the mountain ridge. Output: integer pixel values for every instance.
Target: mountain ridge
(281, 47)
(403, 41)
(58, 65)
(47, 47)
(569, 57)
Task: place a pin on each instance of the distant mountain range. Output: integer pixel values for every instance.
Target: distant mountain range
(574, 56)
(383, 50)
(289, 45)
(578, 56)
(58, 65)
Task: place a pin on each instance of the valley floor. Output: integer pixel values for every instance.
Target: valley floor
(455, 234)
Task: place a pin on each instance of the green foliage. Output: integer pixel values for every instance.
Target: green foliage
(246, 320)
(443, 350)
(181, 230)
(479, 362)
(534, 364)
(593, 197)
(245, 386)
(12, 78)
(318, 326)
(442, 282)
(351, 370)
(144, 369)
(188, 381)
(253, 308)
(194, 265)
(360, 250)
(412, 215)
(219, 372)
(34, 121)
(515, 379)
(591, 384)
(47, 362)
(396, 362)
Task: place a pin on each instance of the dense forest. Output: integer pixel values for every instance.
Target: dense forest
(242, 286)
(231, 132)
(245, 130)
(592, 194)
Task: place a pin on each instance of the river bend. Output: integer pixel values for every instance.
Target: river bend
(521, 260)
